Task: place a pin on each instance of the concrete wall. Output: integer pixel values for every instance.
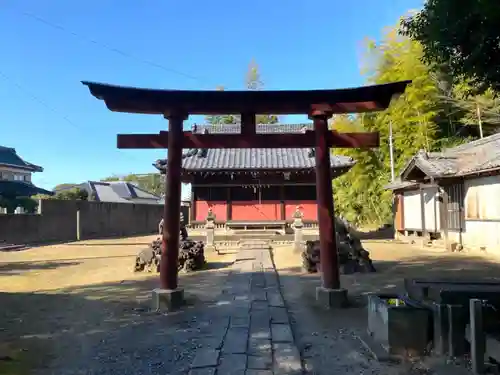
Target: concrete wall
(57, 221)
(412, 210)
(482, 214)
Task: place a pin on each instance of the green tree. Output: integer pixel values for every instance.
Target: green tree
(63, 186)
(465, 36)
(42, 196)
(151, 182)
(111, 179)
(419, 119)
(28, 204)
(9, 203)
(477, 108)
(72, 194)
(255, 83)
(414, 115)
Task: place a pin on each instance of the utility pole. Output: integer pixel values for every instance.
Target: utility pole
(391, 152)
(479, 121)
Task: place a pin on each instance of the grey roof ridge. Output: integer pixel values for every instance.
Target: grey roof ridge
(99, 182)
(477, 142)
(28, 165)
(141, 189)
(127, 184)
(93, 190)
(130, 188)
(161, 165)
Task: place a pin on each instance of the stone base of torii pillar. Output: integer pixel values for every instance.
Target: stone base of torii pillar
(167, 299)
(331, 298)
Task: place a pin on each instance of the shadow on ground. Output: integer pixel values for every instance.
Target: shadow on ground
(79, 244)
(16, 268)
(382, 233)
(108, 328)
(217, 265)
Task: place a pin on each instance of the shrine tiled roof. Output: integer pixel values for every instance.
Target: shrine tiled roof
(254, 158)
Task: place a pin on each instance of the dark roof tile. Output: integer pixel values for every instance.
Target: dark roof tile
(476, 156)
(258, 158)
(253, 158)
(9, 157)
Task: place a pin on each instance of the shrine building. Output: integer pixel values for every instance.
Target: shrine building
(257, 186)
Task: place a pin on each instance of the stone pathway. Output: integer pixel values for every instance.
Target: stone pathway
(256, 337)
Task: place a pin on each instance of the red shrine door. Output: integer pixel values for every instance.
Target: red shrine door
(256, 203)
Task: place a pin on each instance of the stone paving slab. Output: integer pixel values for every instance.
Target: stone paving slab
(281, 333)
(258, 372)
(286, 359)
(203, 371)
(254, 337)
(206, 358)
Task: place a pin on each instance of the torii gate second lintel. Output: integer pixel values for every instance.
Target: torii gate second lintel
(320, 105)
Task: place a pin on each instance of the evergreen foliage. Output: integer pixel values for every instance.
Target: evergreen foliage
(425, 117)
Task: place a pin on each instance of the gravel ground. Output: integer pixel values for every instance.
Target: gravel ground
(328, 339)
(99, 322)
(78, 309)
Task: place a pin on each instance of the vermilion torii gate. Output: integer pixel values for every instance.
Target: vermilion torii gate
(177, 105)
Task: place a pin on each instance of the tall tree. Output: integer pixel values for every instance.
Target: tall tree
(72, 194)
(417, 118)
(478, 109)
(63, 186)
(255, 83)
(464, 35)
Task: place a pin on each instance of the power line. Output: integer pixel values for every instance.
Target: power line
(113, 49)
(37, 99)
(44, 104)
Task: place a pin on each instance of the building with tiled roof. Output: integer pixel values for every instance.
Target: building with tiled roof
(453, 195)
(15, 175)
(116, 192)
(254, 184)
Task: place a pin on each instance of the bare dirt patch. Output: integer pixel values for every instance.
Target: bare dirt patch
(328, 339)
(396, 261)
(65, 306)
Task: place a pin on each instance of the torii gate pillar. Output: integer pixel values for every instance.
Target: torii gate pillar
(170, 296)
(177, 104)
(329, 293)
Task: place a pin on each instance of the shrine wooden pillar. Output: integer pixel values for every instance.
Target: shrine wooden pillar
(171, 212)
(324, 193)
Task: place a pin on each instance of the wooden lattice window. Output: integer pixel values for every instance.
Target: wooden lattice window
(455, 214)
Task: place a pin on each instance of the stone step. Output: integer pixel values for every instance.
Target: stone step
(260, 244)
(255, 233)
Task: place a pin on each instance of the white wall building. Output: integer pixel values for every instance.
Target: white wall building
(453, 195)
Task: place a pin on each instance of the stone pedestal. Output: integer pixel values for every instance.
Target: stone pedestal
(298, 225)
(210, 231)
(167, 300)
(331, 298)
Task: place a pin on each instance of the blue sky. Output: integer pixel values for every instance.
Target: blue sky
(50, 46)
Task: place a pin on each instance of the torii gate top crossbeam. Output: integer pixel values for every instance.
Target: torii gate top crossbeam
(151, 101)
